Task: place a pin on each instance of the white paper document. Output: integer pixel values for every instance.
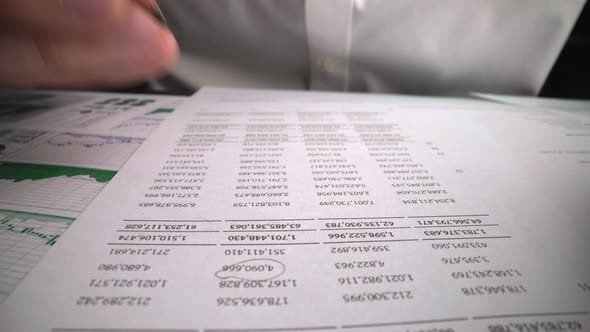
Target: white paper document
(285, 211)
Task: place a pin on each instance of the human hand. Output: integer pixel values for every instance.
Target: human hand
(81, 43)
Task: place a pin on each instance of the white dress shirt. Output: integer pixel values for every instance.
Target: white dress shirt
(404, 46)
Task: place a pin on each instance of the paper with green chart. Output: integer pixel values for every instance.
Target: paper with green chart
(57, 151)
(291, 211)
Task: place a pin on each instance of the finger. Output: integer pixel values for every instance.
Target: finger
(140, 48)
(69, 16)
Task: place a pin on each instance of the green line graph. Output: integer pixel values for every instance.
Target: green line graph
(18, 172)
(161, 110)
(50, 189)
(24, 239)
(8, 226)
(49, 231)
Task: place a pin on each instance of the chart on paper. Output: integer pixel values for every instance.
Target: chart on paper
(50, 189)
(24, 240)
(57, 151)
(100, 151)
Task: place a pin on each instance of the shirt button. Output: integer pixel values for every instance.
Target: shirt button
(334, 66)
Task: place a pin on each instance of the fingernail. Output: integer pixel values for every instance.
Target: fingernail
(86, 9)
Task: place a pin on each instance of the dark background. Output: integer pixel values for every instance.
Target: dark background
(570, 76)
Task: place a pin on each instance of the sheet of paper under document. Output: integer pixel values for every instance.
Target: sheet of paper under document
(288, 211)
